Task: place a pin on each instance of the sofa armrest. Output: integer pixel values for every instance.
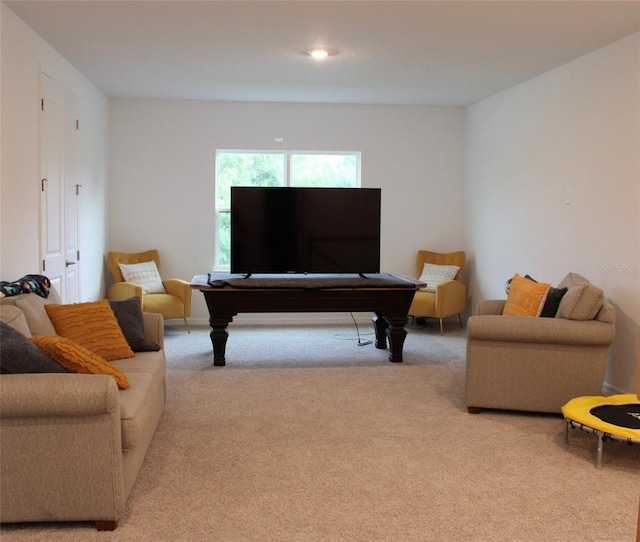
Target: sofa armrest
(60, 448)
(56, 394)
(153, 324)
(522, 329)
(491, 306)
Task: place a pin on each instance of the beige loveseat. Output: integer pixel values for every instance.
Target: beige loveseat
(72, 445)
(538, 364)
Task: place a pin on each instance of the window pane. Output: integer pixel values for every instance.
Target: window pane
(246, 169)
(224, 238)
(324, 170)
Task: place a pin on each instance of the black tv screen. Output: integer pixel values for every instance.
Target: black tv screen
(305, 230)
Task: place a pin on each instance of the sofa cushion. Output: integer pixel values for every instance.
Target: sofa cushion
(433, 275)
(582, 301)
(129, 316)
(133, 403)
(607, 313)
(13, 316)
(92, 325)
(526, 297)
(144, 362)
(33, 307)
(77, 359)
(19, 355)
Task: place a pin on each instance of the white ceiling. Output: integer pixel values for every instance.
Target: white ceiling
(388, 52)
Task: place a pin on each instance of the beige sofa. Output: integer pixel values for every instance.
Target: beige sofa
(72, 445)
(538, 364)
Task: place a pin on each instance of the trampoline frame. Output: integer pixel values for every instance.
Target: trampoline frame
(602, 437)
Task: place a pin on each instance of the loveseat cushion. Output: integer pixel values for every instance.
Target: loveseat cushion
(607, 313)
(582, 301)
(19, 355)
(146, 374)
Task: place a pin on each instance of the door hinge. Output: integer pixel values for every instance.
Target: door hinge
(41, 104)
(42, 185)
(44, 266)
(77, 124)
(77, 255)
(78, 187)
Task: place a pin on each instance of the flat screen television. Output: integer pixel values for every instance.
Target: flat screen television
(305, 230)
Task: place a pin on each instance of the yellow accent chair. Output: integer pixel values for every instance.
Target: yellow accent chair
(175, 302)
(449, 297)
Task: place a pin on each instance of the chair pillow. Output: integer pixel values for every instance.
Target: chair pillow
(92, 325)
(77, 359)
(144, 274)
(19, 355)
(129, 316)
(526, 297)
(433, 275)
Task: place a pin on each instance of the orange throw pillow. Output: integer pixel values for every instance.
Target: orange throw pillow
(92, 325)
(526, 297)
(76, 359)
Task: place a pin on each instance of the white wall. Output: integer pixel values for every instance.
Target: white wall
(162, 156)
(573, 129)
(24, 55)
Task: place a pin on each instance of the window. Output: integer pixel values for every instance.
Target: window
(275, 168)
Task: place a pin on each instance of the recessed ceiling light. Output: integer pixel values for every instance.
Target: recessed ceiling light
(321, 53)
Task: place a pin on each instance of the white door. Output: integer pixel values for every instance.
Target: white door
(59, 199)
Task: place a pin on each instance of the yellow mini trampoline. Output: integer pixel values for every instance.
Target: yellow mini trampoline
(616, 417)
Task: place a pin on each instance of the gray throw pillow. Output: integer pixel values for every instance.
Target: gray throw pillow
(129, 316)
(19, 355)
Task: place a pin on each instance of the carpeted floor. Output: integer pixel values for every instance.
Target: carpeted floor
(306, 436)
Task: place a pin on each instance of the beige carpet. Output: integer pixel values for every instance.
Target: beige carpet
(306, 436)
